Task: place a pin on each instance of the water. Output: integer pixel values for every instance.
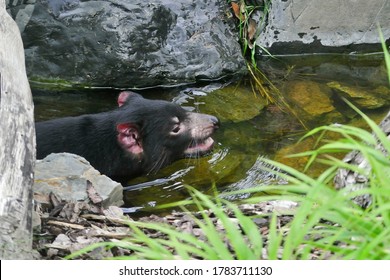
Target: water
(313, 86)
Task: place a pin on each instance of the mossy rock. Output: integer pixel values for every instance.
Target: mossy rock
(311, 101)
(220, 167)
(364, 99)
(233, 103)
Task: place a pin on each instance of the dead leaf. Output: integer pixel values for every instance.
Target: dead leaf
(251, 29)
(236, 10)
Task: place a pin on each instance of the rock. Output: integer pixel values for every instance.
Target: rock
(363, 99)
(36, 221)
(61, 241)
(313, 26)
(125, 44)
(311, 100)
(284, 207)
(298, 163)
(234, 103)
(68, 177)
(17, 145)
(351, 180)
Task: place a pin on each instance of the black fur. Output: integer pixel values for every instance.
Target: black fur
(95, 137)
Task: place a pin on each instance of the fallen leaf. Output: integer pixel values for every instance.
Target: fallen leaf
(236, 10)
(251, 29)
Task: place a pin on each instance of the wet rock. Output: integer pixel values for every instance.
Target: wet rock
(298, 163)
(377, 98)
(133, 44)
(285, 154)
(311, 100)
(313, 26)
(70, 177)
(233, 103)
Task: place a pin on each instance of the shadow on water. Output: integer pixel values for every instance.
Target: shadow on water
(251, 129)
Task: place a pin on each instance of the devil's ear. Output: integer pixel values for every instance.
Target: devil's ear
(126, 96)
(129, 138)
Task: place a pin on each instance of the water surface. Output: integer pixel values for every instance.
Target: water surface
(251, 129)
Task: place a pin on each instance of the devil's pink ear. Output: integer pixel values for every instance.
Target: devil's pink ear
(125, 95)
(129, 138)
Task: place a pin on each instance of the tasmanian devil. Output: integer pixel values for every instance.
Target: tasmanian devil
(140, 136)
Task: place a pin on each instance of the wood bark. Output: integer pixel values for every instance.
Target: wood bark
(17, 144)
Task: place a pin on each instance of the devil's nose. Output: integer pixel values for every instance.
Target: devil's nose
(214, 121)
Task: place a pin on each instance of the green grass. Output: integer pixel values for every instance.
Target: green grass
(385, 52)
(248, 28)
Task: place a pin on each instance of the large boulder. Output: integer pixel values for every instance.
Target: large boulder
(17, 145)
(127, 44)
(308, 26)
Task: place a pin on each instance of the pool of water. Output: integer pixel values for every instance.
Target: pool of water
(252, 129)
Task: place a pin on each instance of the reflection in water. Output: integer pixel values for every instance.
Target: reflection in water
(170, 180)
(250, 129)
(259, 174)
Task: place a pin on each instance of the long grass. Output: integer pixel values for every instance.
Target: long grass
(385, 52)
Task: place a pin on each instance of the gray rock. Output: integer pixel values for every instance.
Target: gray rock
(321, 26)
(127, 44)
(67, 176)
(353, 181)
(17, 145)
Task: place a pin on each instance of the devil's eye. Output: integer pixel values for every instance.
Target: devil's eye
(176, 126)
